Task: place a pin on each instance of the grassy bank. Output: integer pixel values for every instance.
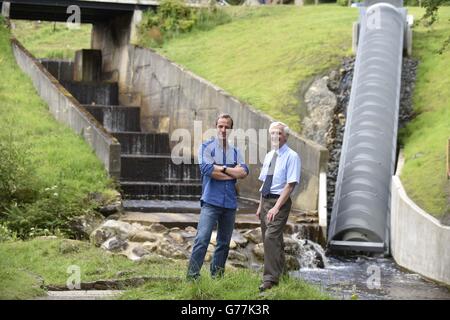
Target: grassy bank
(52, 40)
(46, 170)
(265, 54)
(425, 138)
(26, 265)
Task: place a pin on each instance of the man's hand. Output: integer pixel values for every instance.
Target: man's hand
(272, 213)
(258, 212)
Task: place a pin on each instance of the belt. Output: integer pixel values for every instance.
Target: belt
(272, 196)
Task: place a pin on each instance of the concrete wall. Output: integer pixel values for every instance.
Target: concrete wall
(419, 242)
(60, 69)
(171, 97)
(68, 111)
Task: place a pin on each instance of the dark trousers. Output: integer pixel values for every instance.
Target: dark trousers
(272, 234)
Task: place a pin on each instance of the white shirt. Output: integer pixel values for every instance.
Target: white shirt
(287, 169)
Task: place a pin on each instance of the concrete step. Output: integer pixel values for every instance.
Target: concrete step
(82, 295)
(102, 93)
(179, 206)
(183, 220)
(143, 143)
(135, 190)
(116, 118)
(157, 168)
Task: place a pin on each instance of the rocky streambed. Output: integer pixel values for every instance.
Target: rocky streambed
(156, 241)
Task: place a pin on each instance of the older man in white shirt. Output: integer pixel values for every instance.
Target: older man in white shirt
(280, 174)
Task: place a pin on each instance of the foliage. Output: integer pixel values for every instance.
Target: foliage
(174, 17)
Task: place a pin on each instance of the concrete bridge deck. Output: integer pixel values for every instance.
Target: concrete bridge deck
(90, 11)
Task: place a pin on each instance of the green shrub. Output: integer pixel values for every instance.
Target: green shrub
(50, 214)
(173, 17)
(343, 3)
(18, 184)
(6, 234)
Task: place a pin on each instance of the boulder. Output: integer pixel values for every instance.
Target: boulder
(254, 235)
(111, 228)
(84, 225)
(144, 236)
(157, 228)
(239, 239)
(177, 237)
(236, 255)
(115, 244)
(258, 251)
(291, 246)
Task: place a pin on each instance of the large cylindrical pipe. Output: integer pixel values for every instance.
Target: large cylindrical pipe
(362, 197)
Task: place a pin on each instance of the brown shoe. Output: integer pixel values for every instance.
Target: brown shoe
(266, 286)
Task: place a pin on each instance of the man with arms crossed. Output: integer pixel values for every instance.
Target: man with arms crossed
(221, 165)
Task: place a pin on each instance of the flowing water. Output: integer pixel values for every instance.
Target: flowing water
(362, 277)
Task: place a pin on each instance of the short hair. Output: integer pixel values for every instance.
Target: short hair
(286, 129)
(224, 116)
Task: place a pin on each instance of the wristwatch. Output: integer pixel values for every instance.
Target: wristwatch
(224, 169)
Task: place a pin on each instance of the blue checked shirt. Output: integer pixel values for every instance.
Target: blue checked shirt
(220, 193)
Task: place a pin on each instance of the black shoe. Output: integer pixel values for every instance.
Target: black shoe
(266, 286)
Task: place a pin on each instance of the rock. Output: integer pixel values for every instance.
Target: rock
(140, 251)
(115, 216)
(84, 225)
(239, 239)
(187, 235)
(190, 229)
(178, 254)
(292, 263)
(107, 204)
(211, 248)
(177, 237)
(236, 255)
(150, 246)
(258, 251)
(111, 209)
(111, 228)
(157, 228)
(254, 235)
(213, 241)
(115, 244)
(291, 246)
(239, 265)
(144, 236)
(320, 104)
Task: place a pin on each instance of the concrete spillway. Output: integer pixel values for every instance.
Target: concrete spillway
(360, 215)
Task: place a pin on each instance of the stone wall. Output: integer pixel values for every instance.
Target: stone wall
(172, 97)
(68, 111)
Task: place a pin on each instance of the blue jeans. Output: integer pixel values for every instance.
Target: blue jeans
(210, 216)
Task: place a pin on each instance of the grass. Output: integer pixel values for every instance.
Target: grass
(265, 54)
(425, 138)
(52, 40)
(59, 154)
(25, 264)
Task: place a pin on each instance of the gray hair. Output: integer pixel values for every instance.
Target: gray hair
(285, 129)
